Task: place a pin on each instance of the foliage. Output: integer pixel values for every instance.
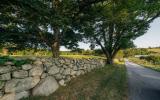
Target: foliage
(146, 63)
(40, 23)
(98, 52)
(115, 24)
(120, 54)
(17, 63)
(111, 24)
(4, 59)
(136, 51)
(153, 59)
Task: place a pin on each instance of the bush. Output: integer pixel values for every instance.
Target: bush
(153, 59)
(98, 52)
(133, 52)
(17, 63)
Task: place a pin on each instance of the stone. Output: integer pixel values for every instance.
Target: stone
(21, 95)
(43, 60)
(18, 85)
(32, 58)
(71, 66)
(5, 69)
(58, 76)
(63, 76)
(67, 61)
(44, 75)
(67, 71)
(36, 71)
(65, 66)
(82, 72)
(78, 73)
(62, 82)
(48, 64)
(10, 96)
(68, 78)
(61, 61)
(20, 74)
(88, 68)
(1, 94)
(1, 85)
(75, 68)
(53, 70)
(57, 62)
(46, 87)
(61, 70)
(5, 77)
(85, 67)
(73, 72)
(26, 66)
(38, 62)
(8, 63)
(15, 68)
(15, 96)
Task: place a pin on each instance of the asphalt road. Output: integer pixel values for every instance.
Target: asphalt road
(144, 83)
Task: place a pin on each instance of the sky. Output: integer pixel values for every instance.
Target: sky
(150, 39)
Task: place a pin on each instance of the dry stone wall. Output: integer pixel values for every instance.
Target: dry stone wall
(42, 77)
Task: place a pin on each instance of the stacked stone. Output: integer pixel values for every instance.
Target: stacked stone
(42, 77)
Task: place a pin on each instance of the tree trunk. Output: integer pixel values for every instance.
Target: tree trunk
(110, 57)
(109, 60)
(55, 46)
(55, 49)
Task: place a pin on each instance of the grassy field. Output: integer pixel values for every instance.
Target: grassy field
(83, 56)
(145, 63)
(108, 83)
(156, 50)
(67, 56)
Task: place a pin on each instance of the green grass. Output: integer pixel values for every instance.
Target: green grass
(65, 56)
(145, 63)
(82, 56)
(108, 83)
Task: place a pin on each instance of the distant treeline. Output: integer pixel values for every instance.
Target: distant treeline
(141, 51)
(44, 52)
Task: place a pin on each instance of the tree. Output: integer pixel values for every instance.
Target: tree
(38, 23)
(117, 23)
(41, 23)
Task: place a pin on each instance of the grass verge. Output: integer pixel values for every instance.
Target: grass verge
(108, 83)
(145, 63)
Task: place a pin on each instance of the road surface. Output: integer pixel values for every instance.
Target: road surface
(144, 83)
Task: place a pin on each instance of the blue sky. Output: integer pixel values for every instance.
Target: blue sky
(150, 39)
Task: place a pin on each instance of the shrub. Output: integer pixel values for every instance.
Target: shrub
(17, 63)
(133, 52)
(152, 59)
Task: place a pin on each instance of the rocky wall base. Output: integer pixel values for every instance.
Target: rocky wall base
(42, 77)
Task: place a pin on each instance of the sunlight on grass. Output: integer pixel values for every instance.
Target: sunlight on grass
(67, 56)
(82, 56)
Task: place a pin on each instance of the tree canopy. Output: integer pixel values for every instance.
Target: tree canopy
(119, 22)
(43, 23)
(111, 24)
